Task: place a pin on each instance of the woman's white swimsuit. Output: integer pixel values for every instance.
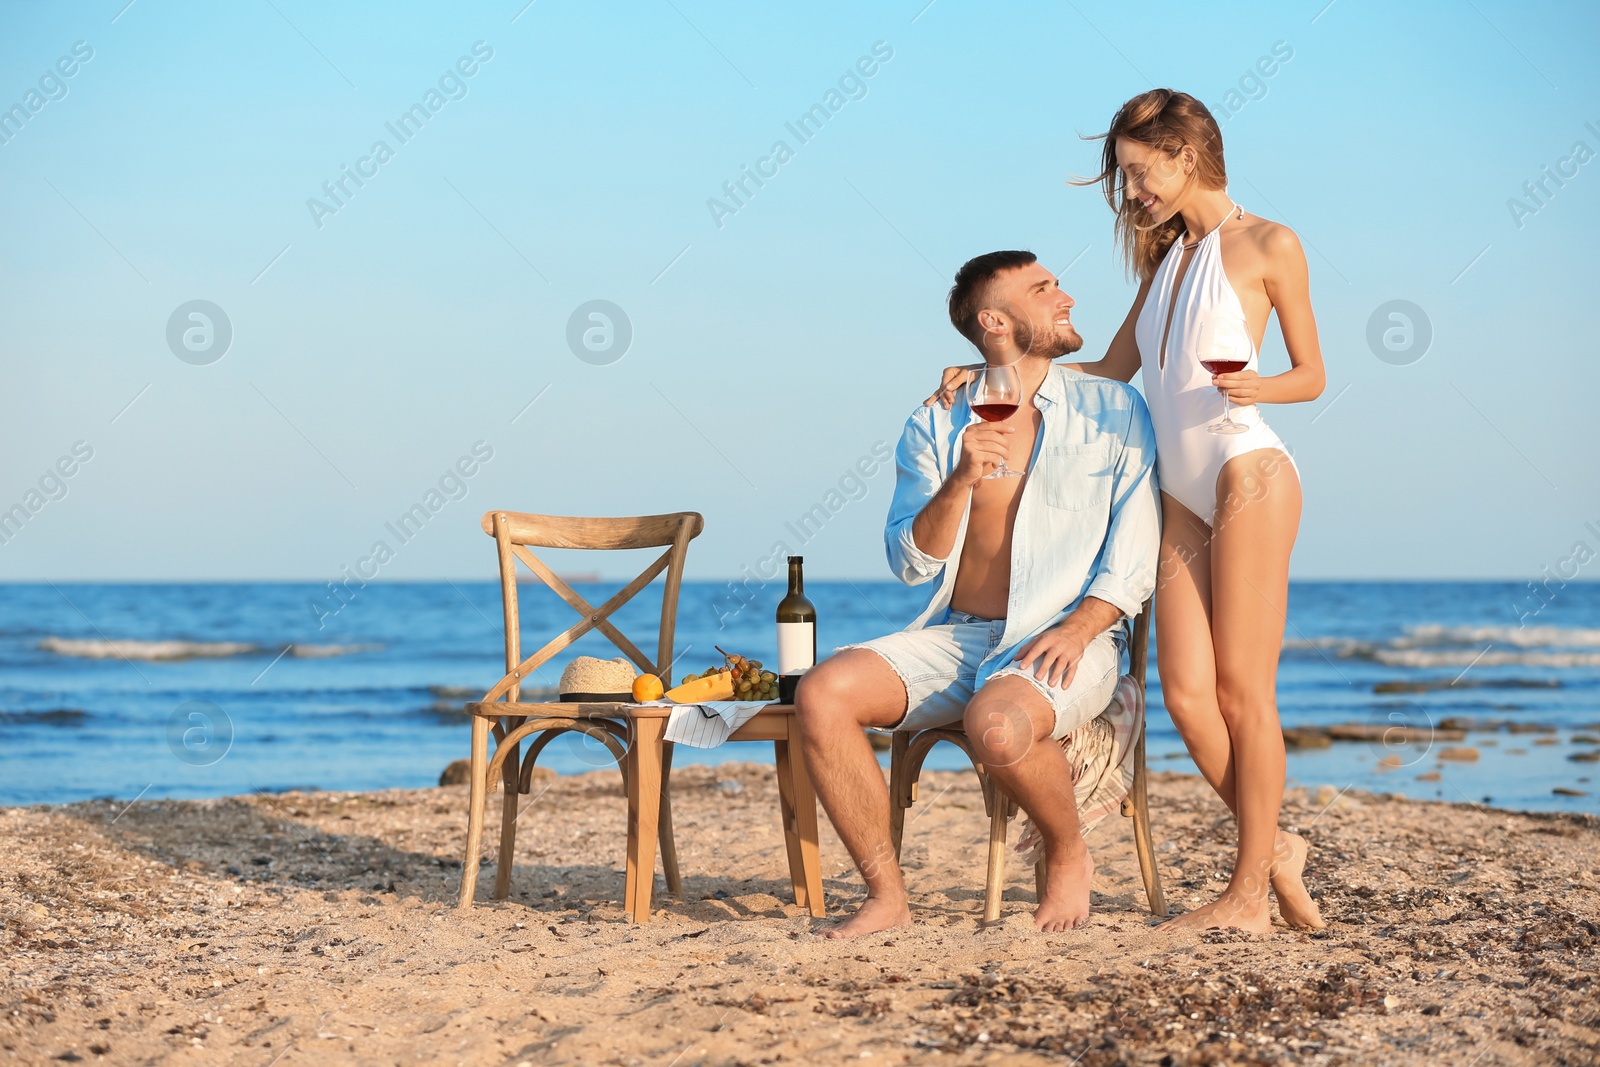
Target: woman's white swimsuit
(1178, 389)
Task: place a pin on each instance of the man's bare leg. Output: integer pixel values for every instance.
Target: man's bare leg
(838, 698)
(1009, 723)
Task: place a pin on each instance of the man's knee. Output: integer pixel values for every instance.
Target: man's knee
(842, 689)
(1005, 720)
(820, 689)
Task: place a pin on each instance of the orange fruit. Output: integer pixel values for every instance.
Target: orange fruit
(647, 687)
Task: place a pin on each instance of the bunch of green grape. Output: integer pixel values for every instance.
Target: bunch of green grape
(750, 682)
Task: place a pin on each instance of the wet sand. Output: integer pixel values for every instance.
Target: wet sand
(321, 928)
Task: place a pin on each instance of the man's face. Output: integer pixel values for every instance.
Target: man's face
(1030, 302)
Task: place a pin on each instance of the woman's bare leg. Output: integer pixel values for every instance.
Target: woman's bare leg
(1258, 515)
(1184, 655)
(1188, 660)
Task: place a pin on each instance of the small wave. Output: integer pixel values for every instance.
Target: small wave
(171, 651)
(53, 717)
(1434, 635)
(145, 650)
(1437, 645)
(1401, 657)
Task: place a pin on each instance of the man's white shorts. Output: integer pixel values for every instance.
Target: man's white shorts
(939, 665)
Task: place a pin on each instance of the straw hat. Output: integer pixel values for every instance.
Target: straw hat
(589, 679)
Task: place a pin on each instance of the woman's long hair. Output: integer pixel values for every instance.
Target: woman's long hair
(1166, 120)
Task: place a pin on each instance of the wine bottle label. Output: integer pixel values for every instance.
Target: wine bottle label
(797, 647)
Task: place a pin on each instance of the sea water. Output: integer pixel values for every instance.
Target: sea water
(193, 690)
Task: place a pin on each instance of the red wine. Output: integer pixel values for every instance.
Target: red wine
(1224, 366)
(996, 412)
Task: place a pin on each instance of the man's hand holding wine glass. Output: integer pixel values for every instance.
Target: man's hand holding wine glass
(983, 451)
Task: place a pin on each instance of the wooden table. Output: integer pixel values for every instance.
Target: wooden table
(797, 801)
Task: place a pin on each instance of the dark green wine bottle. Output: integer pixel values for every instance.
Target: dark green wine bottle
(797, 633)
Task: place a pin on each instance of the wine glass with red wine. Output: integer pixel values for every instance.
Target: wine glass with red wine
(1225, 349)
(994, 395)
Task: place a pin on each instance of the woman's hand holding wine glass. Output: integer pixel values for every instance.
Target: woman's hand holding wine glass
(1241, 387)
(1225, 351)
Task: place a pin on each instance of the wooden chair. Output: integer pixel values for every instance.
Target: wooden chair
(632, 736)
(908, 751)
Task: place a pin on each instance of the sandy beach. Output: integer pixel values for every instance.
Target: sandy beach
(321, 928)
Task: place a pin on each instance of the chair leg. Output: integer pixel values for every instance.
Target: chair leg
(508, 823)
(477, 794)
(508, 842)
(786, 813)
(669, 844)
(999, 809)
(805, 825)
(901, 792)
(1142, 840)
(644, 815)
(1039, 879)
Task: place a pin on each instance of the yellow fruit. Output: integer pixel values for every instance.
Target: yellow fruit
(718, 686)
(647, 687)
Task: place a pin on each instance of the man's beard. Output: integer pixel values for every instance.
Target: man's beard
(1047, 344)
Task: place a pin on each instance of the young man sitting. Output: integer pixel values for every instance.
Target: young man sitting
(1032, 579)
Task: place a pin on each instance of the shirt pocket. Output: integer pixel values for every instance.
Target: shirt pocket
(1077, 477)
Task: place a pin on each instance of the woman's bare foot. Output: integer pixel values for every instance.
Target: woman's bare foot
(1065, 903)
(1294, 903)
(1230, 911)
(875, 913)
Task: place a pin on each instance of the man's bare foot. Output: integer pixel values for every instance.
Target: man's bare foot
(875, 913)
(1294, 903)
(1065, 903)
(1230, 911)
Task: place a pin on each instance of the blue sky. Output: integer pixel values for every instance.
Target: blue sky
(374, 346)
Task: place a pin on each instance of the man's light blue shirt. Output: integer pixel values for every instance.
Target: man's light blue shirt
(1088, 523)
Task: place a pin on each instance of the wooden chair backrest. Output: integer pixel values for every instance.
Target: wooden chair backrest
(1139, 645)
(514, 532)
